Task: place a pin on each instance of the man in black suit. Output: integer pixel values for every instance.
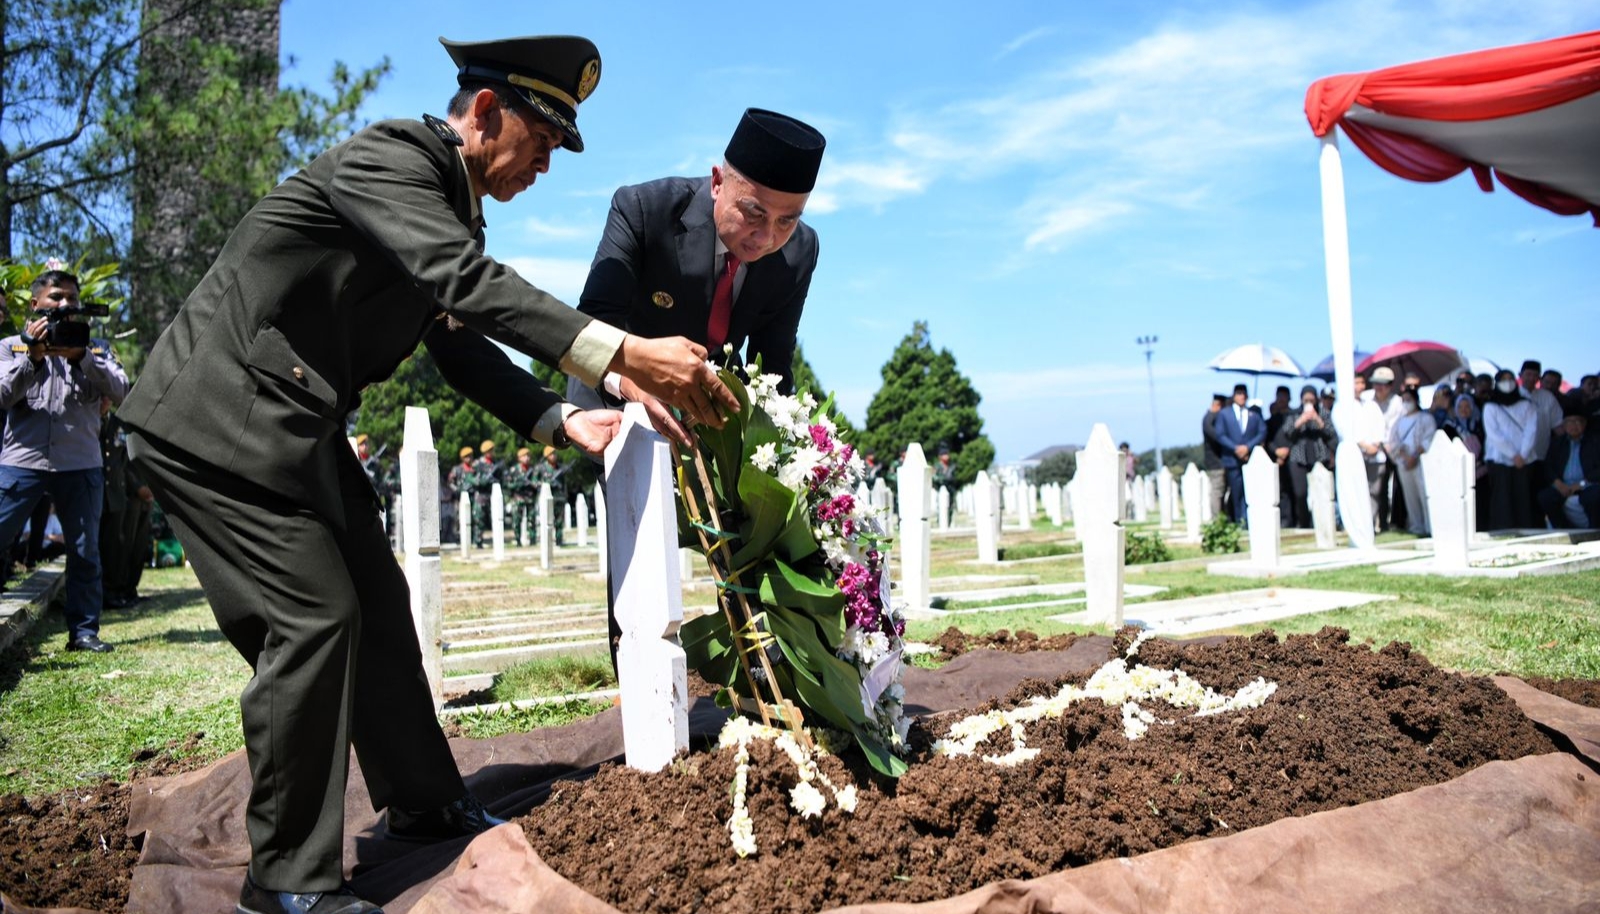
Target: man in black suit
(722, 260)
(1574, 462)
(1239, 430)
(237, 422)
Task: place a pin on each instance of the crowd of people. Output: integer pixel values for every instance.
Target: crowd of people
(1531, 434)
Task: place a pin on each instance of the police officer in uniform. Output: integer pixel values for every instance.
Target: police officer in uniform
(51, 444)
(237, 422)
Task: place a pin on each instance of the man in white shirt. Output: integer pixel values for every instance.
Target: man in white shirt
(1369, 434)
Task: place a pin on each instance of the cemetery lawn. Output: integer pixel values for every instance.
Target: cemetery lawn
(171, 688)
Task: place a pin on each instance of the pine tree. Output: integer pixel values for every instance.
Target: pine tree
(926, 400)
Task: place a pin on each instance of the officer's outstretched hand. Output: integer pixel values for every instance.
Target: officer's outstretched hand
(661, 417)
(592, 429)
(674, 368)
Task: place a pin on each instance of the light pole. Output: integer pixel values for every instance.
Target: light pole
(1149, 343)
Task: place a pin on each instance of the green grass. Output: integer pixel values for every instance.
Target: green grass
(485, 724)
(555, 676)
(68, 719)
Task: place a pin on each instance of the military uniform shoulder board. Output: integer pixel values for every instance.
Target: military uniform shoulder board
(19, 347)
(443, 130)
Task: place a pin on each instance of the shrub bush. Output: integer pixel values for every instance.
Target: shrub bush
(1220, 535)
(1146, 548)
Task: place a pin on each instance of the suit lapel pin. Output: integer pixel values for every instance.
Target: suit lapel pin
(661, 300)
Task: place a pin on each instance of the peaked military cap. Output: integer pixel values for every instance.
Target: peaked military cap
(553, 73)
(776, 151)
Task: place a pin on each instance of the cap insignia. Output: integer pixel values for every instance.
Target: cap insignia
(589, 79)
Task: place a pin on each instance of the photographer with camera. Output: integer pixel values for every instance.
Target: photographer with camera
(52, 378)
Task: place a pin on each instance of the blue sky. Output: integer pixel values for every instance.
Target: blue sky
(1041, 182)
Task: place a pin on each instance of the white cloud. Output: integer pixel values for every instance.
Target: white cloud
(544, 230)
(1024, 38)
(562, 277)
(1161, 117)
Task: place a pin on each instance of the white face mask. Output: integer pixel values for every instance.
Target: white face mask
(1506, 387)
(1409, 406)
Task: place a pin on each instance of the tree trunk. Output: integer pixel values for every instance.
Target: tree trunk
(182, 216)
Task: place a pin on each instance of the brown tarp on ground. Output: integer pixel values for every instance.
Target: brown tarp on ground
(1521, 835)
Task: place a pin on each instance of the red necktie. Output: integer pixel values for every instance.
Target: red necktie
(721, 306)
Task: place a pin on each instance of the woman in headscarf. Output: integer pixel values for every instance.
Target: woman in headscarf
(1408, 438)
(1510, 428)
(1466, 426)
(1312, 440)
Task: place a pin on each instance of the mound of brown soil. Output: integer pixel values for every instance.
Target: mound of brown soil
(1347, 725)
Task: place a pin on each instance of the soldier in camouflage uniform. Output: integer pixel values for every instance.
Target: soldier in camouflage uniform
(461, 479)
(522, 498)
(486, 474)
(551, 472)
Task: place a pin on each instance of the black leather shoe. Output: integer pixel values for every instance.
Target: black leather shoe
(89, 643)
(464, 817)
(253, 899)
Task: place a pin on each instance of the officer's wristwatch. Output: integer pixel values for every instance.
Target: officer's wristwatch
(559, 438)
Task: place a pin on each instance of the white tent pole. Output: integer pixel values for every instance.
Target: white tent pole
(1350, 470)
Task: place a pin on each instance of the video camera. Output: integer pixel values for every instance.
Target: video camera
(68, 326)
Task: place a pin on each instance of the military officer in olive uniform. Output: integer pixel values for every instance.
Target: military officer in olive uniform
(237, 422)
(459, 480)
(125, 520)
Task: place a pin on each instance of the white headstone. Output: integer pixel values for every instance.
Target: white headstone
(1205, 501)
(566, 511)
(1194, 483)
(1164, 497)
(1099, 521)
(497, 521)
(646, 594)
(1141, 507)
(600, 529)
(983, 513)
(688, 561)
(1024, 507)
(1074, 507)
(1324, 512)
(419, 487)
(1261, 507)
(944, 507)
(1449, 492)
(881, 499)
(547, 530)
(1350, 478)
(464, 521)
(916, 502)
(582, 511)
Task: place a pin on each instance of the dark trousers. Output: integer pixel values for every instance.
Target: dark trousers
(1510, 499)
(323, 615)
(1553, 506)
(1378, 491)
(78, 497)
(1299, 488)
(1236, 505)
(124, 547)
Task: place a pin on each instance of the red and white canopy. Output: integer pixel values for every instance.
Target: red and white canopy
(1529, 113)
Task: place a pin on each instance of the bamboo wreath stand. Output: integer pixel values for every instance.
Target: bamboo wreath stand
(744, 625)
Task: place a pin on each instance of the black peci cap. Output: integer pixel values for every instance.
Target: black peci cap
(553, 73)
(776, 151)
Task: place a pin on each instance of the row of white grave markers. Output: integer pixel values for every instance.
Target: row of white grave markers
(986, 517)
